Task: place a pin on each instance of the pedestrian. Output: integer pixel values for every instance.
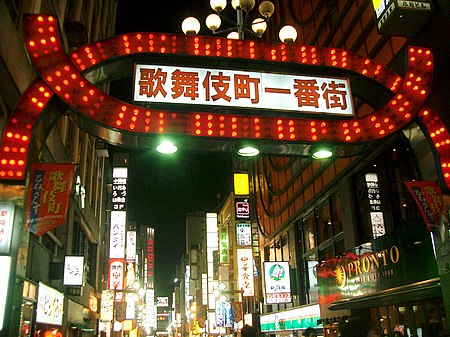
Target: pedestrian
(248, 331)
(358, 327)
(310, 332)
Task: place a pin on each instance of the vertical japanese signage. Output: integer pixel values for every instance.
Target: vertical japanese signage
(220, 87)
(118, 225)
(277, 282)
(73, 270)
(116, 275)
(241, 184)
(150, 317)
(131, 246)
(212, 245)
(150, 257)
(6, 226)
(245, 271)
(119, 188)
(428, 197)
(223, 314)
(49, 305)
(224, 245)
(243, 234)
(117, 234)
(107, 305)
(48, 196)
(376, 214)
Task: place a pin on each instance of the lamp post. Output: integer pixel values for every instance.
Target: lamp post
(191, 26)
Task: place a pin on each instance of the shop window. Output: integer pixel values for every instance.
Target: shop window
(336, 213)
(326, 253)
(312, 286)
(309, 233)
(324, 224)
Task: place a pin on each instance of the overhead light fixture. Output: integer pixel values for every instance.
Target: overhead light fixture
(242, 7)
(248, 151)
(288, 34)
(322, 152)
(166, 147)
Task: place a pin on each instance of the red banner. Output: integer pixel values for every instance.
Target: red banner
(48, 196)
(428, 197)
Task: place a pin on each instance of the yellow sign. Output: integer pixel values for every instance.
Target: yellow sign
(241, 185)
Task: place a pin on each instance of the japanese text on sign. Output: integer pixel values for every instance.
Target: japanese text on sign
(376, 214)
(245, 271)
(165, 84)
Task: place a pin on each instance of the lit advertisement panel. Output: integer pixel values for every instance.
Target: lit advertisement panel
(5, 262)
(49, 305)
(6, 225)
(245, 271)
(277, 282)
(73, 270)
(243, 89)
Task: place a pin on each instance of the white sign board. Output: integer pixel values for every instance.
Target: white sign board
(6, 225)
(5, 262)
(277, 282)
(131, 246)
(50, 305)
(117, 235)
(245, 271)
(243, 89)
(107, 305)
(73, 270)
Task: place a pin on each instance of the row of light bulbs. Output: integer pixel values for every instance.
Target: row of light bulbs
(191, 25)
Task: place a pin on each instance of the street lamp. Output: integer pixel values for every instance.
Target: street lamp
(257, 27)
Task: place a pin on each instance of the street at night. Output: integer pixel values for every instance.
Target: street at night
(224, 168)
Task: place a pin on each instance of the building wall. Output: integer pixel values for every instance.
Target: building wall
(61, 141)
(299, 193)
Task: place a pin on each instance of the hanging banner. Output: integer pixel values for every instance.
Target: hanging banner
(48, 196)
(428, 197)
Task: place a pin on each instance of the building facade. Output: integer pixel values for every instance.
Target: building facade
(327, 217)
(37, 261)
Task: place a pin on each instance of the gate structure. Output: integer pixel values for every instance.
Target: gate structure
(73, 79)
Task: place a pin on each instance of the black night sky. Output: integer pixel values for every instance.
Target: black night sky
(163, 189)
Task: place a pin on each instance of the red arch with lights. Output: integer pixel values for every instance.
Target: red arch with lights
(61, 75)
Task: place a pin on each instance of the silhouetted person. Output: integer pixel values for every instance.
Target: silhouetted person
(249, 331)
(310, 332)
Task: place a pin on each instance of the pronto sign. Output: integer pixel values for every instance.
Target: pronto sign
(242, 89)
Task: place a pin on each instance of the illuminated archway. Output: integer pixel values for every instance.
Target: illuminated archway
(117, 121)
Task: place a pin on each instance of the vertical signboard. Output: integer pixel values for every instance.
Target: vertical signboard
(131, 246)
(277, 282)
(245, 271)
(376, 214)
(116, 275)
(224, 246)
(243, 234)
(241, 184)
(48, 197)
(150, 257)
(212, 245)
(5, 262)
(107, 305)
(116, 272)
(6, 226)
(224, 314)
(242, 208)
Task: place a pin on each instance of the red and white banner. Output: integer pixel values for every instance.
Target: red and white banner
(428, 197)
(48, 196)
